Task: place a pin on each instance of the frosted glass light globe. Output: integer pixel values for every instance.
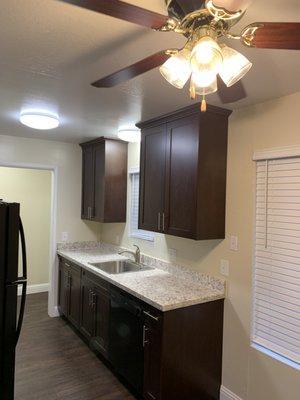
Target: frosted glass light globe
(234, 67)
(206, 56)
(39, 120)
(177, 70)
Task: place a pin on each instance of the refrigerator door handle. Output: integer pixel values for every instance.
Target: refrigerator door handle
(23, 244)
(22, 281)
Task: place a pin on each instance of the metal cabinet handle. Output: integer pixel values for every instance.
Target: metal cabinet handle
(151, 396)
(67, 265)
(151, 316)
(90, 297)
(163, 222)
(144, 335)
(158, 222)
(94, 298)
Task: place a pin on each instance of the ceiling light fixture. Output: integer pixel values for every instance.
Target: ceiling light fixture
(39, 120)
(130, 135)
(234, 67)
(177, 70)
(204, 58)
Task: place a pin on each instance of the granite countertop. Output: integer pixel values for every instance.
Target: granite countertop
(166, 287)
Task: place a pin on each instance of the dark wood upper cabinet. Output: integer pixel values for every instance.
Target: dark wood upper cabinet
(152, 182)
(183, 173)
(104, 180)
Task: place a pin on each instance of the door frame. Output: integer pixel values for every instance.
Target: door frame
(53, 264)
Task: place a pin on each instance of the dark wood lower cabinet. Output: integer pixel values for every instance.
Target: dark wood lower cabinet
(69, 291)
(152, 358)
(87, 320)
(182, 347)
(94, 323)
(101, 303)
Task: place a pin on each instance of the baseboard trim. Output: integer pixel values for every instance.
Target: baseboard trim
(54, 312)
(44, 287)
(226, 394)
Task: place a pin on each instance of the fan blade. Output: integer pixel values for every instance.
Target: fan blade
(132, 71)
(233, 5)
(125, 11)
(272, 35)
(231, 94)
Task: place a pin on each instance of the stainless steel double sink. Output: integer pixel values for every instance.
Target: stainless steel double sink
(120, 267)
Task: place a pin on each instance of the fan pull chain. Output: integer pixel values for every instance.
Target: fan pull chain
(192, 91)
(203, 104)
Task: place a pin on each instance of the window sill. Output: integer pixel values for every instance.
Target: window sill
(276, 356)
(142, 236)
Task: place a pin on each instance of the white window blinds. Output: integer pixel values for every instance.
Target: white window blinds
(276, 314)
(134, 212)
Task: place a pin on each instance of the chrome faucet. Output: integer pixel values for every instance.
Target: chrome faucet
(136, 254)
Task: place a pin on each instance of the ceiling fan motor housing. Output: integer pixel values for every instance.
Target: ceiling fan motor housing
(180, 8)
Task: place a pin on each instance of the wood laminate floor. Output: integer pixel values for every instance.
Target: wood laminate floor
(54, 364)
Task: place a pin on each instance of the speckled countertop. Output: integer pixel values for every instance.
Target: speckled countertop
(166, 287)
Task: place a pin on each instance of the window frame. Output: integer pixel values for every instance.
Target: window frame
(264, 155)
(136, 233)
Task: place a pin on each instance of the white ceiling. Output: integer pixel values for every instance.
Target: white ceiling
(52, 51)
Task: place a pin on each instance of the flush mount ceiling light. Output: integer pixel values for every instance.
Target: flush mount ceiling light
(130, 135)
(39, 120)
(204, 58)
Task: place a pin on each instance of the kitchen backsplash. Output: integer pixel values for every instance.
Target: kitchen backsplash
(176, 269)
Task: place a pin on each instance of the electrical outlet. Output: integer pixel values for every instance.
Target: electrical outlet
(172, 252)
(224, 267)
(234, 243)
(64, 236)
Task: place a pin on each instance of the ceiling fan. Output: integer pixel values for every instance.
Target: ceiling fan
(210, 65)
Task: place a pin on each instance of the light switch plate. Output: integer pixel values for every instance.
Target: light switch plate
(64, 236)
(224, 267)
(234, 243)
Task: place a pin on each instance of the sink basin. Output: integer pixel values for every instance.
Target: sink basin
(120, 267)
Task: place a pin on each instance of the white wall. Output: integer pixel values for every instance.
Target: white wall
(66, 158)
(248, 373)
(32, 189)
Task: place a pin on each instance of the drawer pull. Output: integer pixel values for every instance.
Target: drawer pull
(145, 341)
(67, 265)
(151, 396)
(151, 316)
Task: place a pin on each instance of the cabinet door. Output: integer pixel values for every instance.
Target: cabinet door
(74, 296)
(87, 182)
(152, 360)
(63, 289)
(152, 178)
(87, 320)
(101, 310)
(180, 217)
(99, 180)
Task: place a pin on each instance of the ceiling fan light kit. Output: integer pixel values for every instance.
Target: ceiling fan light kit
(176, 70)
(235, 66)
(204, 58)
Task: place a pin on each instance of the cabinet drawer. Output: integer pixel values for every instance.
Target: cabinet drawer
(101, 283)
(71, 265)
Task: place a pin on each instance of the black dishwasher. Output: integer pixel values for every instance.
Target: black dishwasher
(126, 352)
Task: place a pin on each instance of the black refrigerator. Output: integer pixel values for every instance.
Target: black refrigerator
(11, 310)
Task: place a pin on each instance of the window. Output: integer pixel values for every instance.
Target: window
(276, 309)
(134, 209)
